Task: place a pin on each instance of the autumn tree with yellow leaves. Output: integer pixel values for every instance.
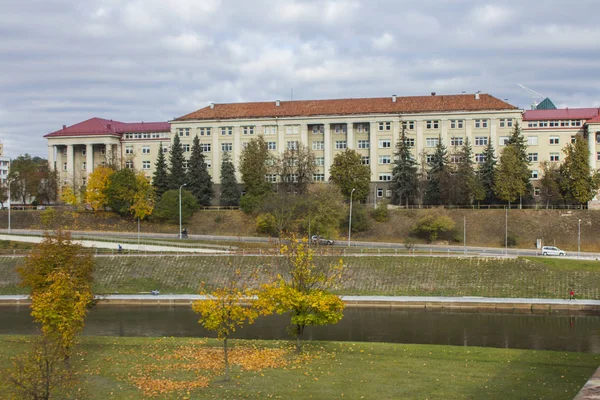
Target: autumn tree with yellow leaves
(303, 289)
(95, 192)
(225, 309)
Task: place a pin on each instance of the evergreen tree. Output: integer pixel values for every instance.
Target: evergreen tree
(160, 180)
(487, 173)
(466, 181)
(198, 178)
(578, 185)
(439, 175)
(550, 183)
(510, 176)
(176, 171)
(230, 192)
(404, 174)
(517, 140)
(255, 163)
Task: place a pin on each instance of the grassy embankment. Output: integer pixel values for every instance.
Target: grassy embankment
(140, 368)
(393, 276)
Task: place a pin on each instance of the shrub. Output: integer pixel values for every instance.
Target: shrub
(511, 241)
(380, 213)
(360, 222)
(430, 226)
(265, 223)
(167, 209)
(250, 203)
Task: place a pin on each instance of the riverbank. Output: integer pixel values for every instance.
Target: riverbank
(137, 368)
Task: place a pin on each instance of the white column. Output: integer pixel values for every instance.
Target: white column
(419, 140)
(592, 147)
(70, 162)
(444, 132)
(216, 156)
(89, 158)
(108, 153)
(373, 151)
(493, 132)
(327, 151)
(304, 134)
(52, 157)
(280, 139)
(350, 135)
(469, 131)
(237, 152)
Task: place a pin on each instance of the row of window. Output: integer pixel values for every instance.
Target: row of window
(554, 124)
(154, 135)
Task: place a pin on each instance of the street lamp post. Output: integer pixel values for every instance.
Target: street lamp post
(9, 207)
(350, 219)
(180, 234)
(579, 239)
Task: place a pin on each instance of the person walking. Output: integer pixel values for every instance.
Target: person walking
(571, 295)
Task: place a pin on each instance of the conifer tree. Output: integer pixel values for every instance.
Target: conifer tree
(510, 177)
(577, 184)
(438, 175)
(466, 179)
(160, 180)
(177, 174)
(517, 140)
(255, 162)
(404, 174)
(230, 192)
(487, 173)
(199, 181)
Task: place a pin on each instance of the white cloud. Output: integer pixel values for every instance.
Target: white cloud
(491, 15)
(384, 42)
(187, 42)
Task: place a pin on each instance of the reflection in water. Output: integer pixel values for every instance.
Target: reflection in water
(564, 332)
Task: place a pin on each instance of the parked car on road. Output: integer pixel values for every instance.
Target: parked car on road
(320, 240)
(552, 251)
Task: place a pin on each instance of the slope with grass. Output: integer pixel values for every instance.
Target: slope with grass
(392, 276)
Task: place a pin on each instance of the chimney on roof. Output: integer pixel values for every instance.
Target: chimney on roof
(64, 127)
(212, 106)
(433, 93)
(393, 98)
(109, 126)
(277, 103)
(477, 95)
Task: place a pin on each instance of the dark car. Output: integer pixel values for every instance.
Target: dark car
(320, 240)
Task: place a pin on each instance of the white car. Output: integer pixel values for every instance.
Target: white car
(552, 251)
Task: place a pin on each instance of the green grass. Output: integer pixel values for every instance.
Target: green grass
(334, 370)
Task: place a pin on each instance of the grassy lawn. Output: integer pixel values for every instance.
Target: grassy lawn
(139, 368)
(393, 276)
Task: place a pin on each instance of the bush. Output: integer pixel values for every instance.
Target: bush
(380, 213)
(511, 241)
(167, 209)
(265, 223)
(430, 226)
(250, 203)
(360, 222)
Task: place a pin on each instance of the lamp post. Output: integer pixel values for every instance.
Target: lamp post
(350, 219)
(579, 239)
(180, 235)
(9, 207)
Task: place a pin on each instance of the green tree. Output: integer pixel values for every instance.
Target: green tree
(510, 176)
(303, 289)
(199, 180)
(404, 174)
(230, 191)
(160, 179)
(578, 184)
(323, 209)
(48, 188)
(24, 177)
(121, 190)
(487, 173)
(167, 208)
(550, 183)
(439, 175)
(177, 173)
(466, 179)
(296, 168)
(59, 274)
(347, 172)
(432, 225)
(283, 209)
(255, 163)
(517, 140)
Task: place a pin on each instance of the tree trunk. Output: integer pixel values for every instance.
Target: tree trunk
(299, 334)
(226, 359)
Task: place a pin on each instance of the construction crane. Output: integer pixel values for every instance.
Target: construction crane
(534, 96)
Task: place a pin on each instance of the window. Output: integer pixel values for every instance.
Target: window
(128, 149)
(385, 143)
(208, 163)
(146, 150)
(543, 124)
(573, 139)
(226, 130)
(532, 157)
(481, 123)
(165, 149)
(480, 158)
(554, 157)
(226, 146)
(271, 178)
(506, 122)
(432, 141)
(534, 174)
(292, 145)
(536, 191)
(318, 145)
(385, 177)
(186, 164)
(205, 147)
(65, 152)
(432, 124)
(83, 165)
(362, 128)
(388, 193)
(270, 130)
(318, 129)
(429, 158)
(272, 145)
(577, 123)
(319, 161)
(204, 131)
(379, 192)
(532, 140)
(363, 144)
(456, 141)
(340, 144)
(385, 126)
(456, 124)
(554, 140)
(365, 160)
(410, 142)
(146, 164)
(410, 125)
(129, 164)
(339, 128)
(532, 124)
(180, 131)
(503, 140)
(83, 151)
(248, 130)
(454, 159)
(185, 147)
(319, 177)
(481, 141)
(385, 160)
(102, 151)
(292, 129)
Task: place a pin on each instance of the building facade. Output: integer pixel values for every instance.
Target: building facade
(4, 167)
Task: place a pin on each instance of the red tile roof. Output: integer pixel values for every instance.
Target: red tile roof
(382, 105)
(561, 113)
(595, 120)
(99, 126)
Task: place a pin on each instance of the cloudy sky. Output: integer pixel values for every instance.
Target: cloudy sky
(64, 61)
